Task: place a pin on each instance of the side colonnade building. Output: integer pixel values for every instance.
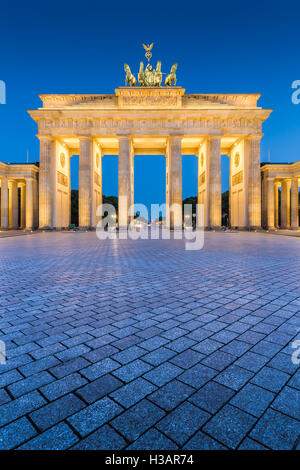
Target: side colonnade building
(19, 196)
(280, 198)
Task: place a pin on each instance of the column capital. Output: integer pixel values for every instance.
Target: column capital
(257, 137)
(123, 135)
(176, 135)
(43, 138)
(213, 136)
(12, 181)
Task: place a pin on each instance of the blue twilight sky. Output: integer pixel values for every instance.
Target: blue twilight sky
(80, 47)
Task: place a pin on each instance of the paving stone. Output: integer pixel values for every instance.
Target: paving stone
(207, 346)
(271, 379)
(180, 344)
(276, 431)
(197, 375)
(104, 438)
(63, 386)
(284, 363)
(234, 377)
(251, 361)
(203, 442)
(99, 388)
(10, 377)
(4, 397)
(133, 392)
(237, 348)
(229, 426)
(135, 421)
(224, 336)
(163, 373)
(218, 360)
(56, 411)
(21, 406)
(60, 437)
(295, 380)
(129, 354)
(158, 356)
(153, 440)
(250, 444)
(253, 399)
(16, 433)
(212, 397)
(94, 416)
(266, 348)
(100, 368)
(70, 353)
(182, 423)
(171, 395)
(153, 343)
(288, 402)
(187, 359)
(30, 383)
(132, 370)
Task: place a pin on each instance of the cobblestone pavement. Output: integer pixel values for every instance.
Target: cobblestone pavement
(144, 345)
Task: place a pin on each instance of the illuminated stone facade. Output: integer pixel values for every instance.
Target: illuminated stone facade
(143, 121)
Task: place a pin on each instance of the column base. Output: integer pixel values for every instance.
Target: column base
(46, 227)
(295, 228)
(86, 228)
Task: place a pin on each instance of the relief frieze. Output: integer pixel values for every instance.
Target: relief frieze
(114, 124)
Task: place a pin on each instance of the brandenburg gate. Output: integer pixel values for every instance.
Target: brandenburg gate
(149, 119)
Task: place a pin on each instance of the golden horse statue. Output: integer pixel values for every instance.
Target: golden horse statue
(150, 77)
(141, 75)
(130, 78)
(171, 78)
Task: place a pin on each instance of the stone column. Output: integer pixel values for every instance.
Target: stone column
(254, 186)
(276, 209)
(29, 203)
(295, 204)
(4, 203)
(270, 203)
(175, 182)
(85, 196)
(285, 204)
(14, 201)
(124, 181)
(45, 183)
(35, 203)
(23, 205)
(214, 196)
